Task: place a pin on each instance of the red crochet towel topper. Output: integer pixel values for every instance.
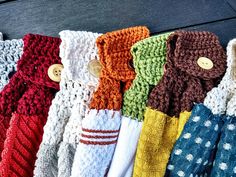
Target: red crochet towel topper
(24, 105)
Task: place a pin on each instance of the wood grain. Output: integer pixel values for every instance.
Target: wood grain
(3, 1)
(51, 16)
(232, 3)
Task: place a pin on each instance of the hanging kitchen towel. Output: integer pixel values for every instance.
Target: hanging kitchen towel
(24, 104)
(195, 62)
(193, 139)
(100, 127)
(77, 50)
(149, 57)
(88, 73)
(225, 161)
(10, 52)
(208, 123)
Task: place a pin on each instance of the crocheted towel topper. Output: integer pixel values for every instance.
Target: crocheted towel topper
(10, 52)
(185, 82)
(100, 127)
(211, 125)
(24, 104)
(149, 56)
(55, 156)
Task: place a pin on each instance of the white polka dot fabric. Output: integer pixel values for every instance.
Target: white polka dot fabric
(193, 150)
(207, 145)
(225, 161)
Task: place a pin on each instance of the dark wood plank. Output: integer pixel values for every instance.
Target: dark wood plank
(1, 1)
(232, 3)
(5, 1)
(225, 30)
(50, 17)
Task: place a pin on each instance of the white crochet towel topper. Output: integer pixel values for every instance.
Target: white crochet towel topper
(56, 152)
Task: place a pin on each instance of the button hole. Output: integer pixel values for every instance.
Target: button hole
(11, 74)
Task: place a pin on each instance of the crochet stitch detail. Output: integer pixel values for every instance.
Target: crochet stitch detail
(61, 132)
(227, 87)
(184, 82)
(117, 74)
(25, 103)
(173, 97)
(100, 127)
(206, 130)
(10, 52)
(76, 50)
(149, 58)
(37, 49)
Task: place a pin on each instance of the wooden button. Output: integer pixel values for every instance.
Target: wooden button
(94, 68)
(205, 63)
(54, 72)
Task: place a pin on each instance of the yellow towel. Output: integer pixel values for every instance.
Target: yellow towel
(156, 141)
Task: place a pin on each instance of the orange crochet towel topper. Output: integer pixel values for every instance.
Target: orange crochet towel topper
(95, 151)
(117, 73)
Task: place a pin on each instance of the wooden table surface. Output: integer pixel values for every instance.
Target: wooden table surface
(49, 17)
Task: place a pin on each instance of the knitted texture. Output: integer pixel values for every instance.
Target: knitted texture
(116, 58)
(88, 84)
(208, 128)
(101, 126)
(149, 57)
(24, 102)
(59, 112)
(10, 52)
(156, 140)
(182, 84)
(69, 106)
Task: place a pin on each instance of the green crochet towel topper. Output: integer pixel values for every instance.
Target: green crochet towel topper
(149, 57)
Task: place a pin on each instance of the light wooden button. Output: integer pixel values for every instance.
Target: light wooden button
(205, 63)
(54, 72)
(94, 68)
